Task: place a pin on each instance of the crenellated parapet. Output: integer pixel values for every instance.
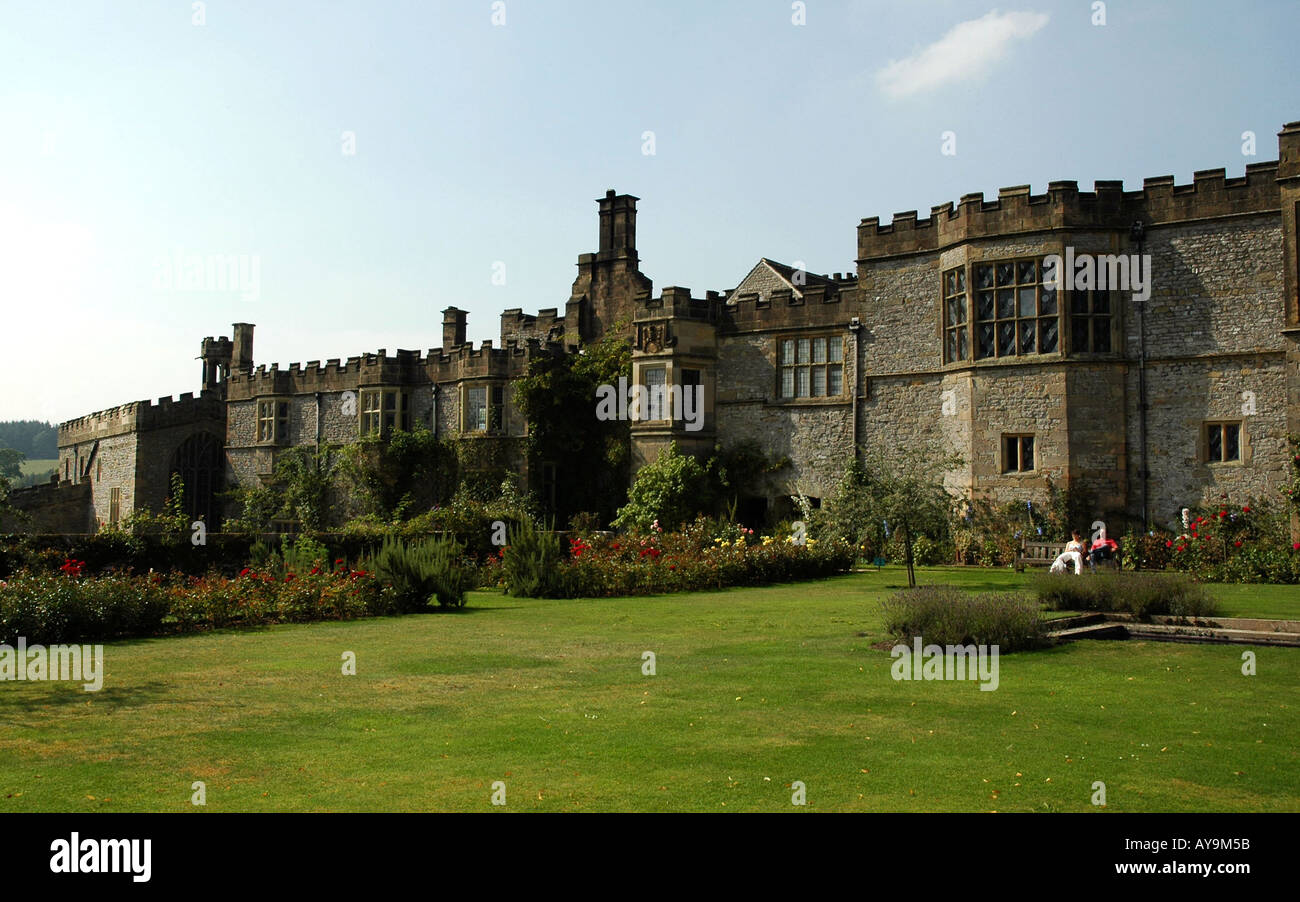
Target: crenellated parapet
(1064, 207)
(822, 302)
(547, 325)
(380, 368)
(142, 416)
(677, 302)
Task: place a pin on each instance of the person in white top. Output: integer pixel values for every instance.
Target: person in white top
(1073, 554)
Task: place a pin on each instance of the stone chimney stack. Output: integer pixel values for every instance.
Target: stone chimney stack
(453, 328)
(617, 225)
(241, 357)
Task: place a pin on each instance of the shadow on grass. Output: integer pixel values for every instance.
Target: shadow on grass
(65, 694)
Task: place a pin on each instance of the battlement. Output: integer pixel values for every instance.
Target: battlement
(820, 304)
(519, 327)
(1064, 207)
(677, 302)
(140, 416)
(404, 367)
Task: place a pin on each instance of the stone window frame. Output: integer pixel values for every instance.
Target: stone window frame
(960, 283)
(1222, 425)
(956, 315)
(114, 505)
(660, 402)
(494, 413)
(279, 421)
(1018, 468)
(827, 365)
(375, 417)
(1091, 316)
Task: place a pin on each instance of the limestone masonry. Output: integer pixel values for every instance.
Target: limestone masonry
(948, 332)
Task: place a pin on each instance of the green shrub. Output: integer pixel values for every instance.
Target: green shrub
(1146, 550)
(55, 608)
(422, 571)
(943, 615)
(927, 552)
(669, 491)
(531, 562)
(1141, 594)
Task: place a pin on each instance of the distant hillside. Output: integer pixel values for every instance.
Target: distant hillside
(35, 472)
(37, 440)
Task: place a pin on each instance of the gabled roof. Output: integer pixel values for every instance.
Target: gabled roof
(769, 274)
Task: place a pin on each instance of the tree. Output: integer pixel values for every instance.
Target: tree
(11, 463)
(904, 494)
(589, 455)
(670, 490)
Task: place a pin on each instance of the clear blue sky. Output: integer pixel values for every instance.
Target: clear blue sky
(130, 134)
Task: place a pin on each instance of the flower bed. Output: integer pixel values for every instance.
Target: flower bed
(1236, 544)
(657, 562)
(66, 607)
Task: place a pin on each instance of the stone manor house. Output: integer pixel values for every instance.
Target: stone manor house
(949, 331)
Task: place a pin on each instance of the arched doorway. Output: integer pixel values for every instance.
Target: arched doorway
(201, 465)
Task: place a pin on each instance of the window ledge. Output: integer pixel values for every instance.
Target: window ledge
(809, 402)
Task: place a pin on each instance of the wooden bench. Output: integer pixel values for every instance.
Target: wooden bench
(1042, 554)
(1038, 554)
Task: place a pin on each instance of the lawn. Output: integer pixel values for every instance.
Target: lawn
(755, 689)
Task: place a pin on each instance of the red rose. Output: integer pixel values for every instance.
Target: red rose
(1246, 509)
(1237, 543)
(244, 572)
(1169, 544)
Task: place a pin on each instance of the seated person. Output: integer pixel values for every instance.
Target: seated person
(1073, 554)
(1103, 549)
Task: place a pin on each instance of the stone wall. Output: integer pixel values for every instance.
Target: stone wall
(816, 435)
(51, 508)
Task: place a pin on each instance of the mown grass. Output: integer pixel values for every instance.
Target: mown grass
(755, 689)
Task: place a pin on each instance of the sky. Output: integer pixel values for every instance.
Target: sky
(372, 163)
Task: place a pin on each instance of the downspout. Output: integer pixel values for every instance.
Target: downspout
(855, 326)
(1138, 233)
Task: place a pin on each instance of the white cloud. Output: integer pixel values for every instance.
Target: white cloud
(968, 49)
